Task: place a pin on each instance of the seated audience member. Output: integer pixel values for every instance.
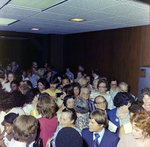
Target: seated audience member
(25, 88)
(48, 122)
(24, 129)
(32, 79)
(67, 119)
(8, 104)
(24, 75)
(34, 65)
(69, 73)
(120, 115)
(94, 90)
(140, 135)
(79, 75)
(28, 82)
(101, 103)
(52, 91)
(127, 128)
(32, 100)
(113, 87)
(95, 74)
(42, 84)
(124, 87)
(96, 135)
(88, 78)
(14, 85)
(69, 101)
(2, 79)
(14, 66)
(10, 78)
(65, 81)
(102, 88)
(68, 137)
(85, 93)
(82, 82)
(6, 135)
(76, 89)
(145, 97)
(48, 75)
(82, 109)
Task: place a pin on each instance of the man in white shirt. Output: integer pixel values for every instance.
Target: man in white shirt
(96, 135)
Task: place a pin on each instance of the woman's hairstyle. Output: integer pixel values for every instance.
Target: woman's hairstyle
(46, 107)
(44, 82)
(66, 98)
(81, 106)
(72, 112)
(24, 127)
(145, 91)
(134, 108)
(9, 118)
(25, 88)
(76, 84)
(100, 117)
(82, 82)
(102, 81)
(123, 98)
(142, 121)
(46, 73)
(68, 89)
(68, 137)
(15, 82)
(31, 93)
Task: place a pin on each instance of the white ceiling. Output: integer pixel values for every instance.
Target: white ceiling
(99, 15)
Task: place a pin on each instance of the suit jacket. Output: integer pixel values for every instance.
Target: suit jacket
(113, 118)
(109, 139)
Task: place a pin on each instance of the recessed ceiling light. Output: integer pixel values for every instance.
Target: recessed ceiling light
(36, 4)
(35, 29)
(77, 19)
(7, 21)
(2, 36)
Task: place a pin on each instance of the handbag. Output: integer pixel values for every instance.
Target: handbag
(39, 143)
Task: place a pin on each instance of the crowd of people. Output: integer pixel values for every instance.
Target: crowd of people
(41, 107)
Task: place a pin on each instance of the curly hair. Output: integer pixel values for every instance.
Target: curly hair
(66, 98)
(145, 91)
(46, 107)
(142, 121)
(76, 84)
(31, 93)
(123, 98)
(24, 127)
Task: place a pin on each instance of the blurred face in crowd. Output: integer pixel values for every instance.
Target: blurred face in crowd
(79, 75)
(88, 79)
(81, 68)
(41, 86)
(146, 100)
(10, 77)
(8, 127)
(65, 120)
(70, 103)
(34, 65)
(85, 94)
(35, 100)
(14, 87)
(100, 103)
(123, 88)
(95, 85)
(24, 73)
(68, 70)
(13, 63)
(49, 74)
(53, 86)
(125, 108)
(136, 132)
(102, 88)
(94, 126)
(65, 82)
(113, 84)
(8, 68)
(76, 91)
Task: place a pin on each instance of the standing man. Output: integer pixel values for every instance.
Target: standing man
(69, 73)
(96, 135)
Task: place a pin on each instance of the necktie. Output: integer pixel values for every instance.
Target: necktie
(96, 142)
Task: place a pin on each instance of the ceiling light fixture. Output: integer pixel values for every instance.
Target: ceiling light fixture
(35, 29)
(7, 21)
(2, 36)
(36, 4)
(77, 19)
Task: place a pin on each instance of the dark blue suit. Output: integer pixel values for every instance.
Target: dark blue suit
(109, 139)
(113, 118)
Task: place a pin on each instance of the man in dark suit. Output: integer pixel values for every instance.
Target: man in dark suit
(96, 135)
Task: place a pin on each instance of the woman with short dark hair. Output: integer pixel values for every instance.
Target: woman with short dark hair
(42, 84)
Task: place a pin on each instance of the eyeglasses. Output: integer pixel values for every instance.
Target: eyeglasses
(102, 87)
(100, 103)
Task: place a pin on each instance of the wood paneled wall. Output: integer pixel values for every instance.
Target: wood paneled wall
(116, 53)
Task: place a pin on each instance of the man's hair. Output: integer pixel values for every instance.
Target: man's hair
(80, 72)
(125, 84)
(102, 81)
(145, 91)
(72, 112)
(65, 78)
(15, 82)
(100, 117)
(112, 79)
(46, 107)
(98, 97)
(25, 88)
(123, 98)
(82, 82)
(66, 98)
(96, 71)
(54, 80)
(24, 127)
(82, 89)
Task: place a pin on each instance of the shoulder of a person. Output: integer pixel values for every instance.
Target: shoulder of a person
(85, 131)
(58, 91)
(112, 111)
(111, 134)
